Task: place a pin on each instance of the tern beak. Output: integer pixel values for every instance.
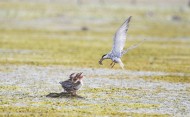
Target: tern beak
(100, 61)
(80, 76)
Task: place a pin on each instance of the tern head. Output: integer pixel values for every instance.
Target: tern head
(72, 76)
(78, 77)
(105, 56)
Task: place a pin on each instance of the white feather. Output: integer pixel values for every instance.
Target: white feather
(120, 38)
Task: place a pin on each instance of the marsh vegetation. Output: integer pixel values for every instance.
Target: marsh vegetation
(41, 43)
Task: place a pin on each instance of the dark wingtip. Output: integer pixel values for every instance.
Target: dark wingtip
(128, 20)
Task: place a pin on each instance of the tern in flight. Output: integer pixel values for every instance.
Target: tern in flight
(118, 44)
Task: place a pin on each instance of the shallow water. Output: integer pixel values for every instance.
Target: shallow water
(122, 91)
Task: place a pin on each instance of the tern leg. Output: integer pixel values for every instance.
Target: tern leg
(113, 65)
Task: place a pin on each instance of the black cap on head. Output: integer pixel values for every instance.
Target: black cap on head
(104, 55)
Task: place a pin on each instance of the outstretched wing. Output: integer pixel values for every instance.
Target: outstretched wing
(131, 47)
(120, 38)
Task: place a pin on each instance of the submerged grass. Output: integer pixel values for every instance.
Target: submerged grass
(152, 55)
(170, 78)
(50, 34)
(109, 105)
(23, 111)
(167, 48)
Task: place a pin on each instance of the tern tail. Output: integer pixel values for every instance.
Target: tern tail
(121, 64)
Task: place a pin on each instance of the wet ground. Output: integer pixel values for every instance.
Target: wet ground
(109, 92)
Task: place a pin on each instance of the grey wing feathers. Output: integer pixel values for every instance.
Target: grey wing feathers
(132, 47)
(77, 86)
(67, 84)
(120, 37)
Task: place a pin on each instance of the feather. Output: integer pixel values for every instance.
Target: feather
(120, 38)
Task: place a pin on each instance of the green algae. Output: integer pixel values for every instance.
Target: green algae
(9, 87)
(151, 56)
(167, 49)
(95, 109)
(170, 78)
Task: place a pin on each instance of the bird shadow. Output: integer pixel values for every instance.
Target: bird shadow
(63, 95)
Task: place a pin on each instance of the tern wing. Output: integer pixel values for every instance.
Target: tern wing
(67, 84)
(120, 38)
(131, 47)
(77, 85)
